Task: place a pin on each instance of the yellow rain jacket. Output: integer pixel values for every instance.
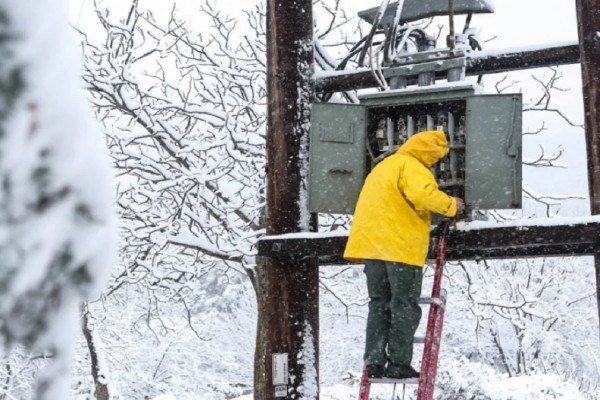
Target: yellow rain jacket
(392, 217)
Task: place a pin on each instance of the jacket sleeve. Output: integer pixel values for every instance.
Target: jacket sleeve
(419, 187)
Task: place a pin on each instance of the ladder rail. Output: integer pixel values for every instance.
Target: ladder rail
(435, 353)
(428, 374)
(434, 323)
(365, 386)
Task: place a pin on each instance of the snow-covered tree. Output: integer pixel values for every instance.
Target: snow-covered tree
(184, 116)
(183, 110)
(57, 229)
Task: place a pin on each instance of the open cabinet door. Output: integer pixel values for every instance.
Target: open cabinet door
(337, 157)
(493, 173)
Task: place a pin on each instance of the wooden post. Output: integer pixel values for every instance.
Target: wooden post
(288, 310)
(588, 23)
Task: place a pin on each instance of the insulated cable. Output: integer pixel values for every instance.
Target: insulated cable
(369, 40)
(391, 49)
(451, 37)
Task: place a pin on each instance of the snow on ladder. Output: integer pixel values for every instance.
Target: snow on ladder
(433, 333)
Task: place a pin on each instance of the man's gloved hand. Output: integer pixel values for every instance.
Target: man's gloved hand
(460, 205)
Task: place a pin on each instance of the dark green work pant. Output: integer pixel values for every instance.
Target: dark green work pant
(394, 311)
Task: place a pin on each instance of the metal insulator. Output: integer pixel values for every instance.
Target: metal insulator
(426, 78)
(410, 126)
(457, 74)
(398, 82)
(390, 133)
(430, 122)
(452, 143)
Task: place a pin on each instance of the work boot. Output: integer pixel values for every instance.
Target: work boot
(396, 371)
(375, 371)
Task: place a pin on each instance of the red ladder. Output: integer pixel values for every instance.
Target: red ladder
(433, 334)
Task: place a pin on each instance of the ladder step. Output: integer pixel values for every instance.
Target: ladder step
(432, 300)
(408, 381)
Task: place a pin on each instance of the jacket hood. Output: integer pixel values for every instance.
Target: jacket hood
(428, 147)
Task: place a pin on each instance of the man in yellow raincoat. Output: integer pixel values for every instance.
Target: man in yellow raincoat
(390, 235)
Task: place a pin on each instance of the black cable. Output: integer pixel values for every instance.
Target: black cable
(451, 38)
(376, 21)
(467, 22)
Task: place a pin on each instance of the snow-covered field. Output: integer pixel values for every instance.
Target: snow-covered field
(470, 364)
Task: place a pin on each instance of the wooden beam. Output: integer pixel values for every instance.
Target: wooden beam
(523, 242)
(491, 243)
(588, 23)
(500, 61)
(488, 63)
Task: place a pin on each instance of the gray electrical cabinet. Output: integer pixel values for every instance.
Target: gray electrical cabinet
(483, 131)
(337, 158)
(493, 153)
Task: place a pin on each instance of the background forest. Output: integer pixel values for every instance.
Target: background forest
(178, 89)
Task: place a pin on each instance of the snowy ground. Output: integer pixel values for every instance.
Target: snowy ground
(465, 369)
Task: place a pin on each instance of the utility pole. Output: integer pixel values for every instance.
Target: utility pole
(588, 23)
(287, 343)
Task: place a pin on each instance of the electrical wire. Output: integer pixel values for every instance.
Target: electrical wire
(396, 38)
(406, 36)
(388, 48)
(452, 36)
(468, 22)
(376, 66)
(392, 49)
(369, 41)
(374, 63)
